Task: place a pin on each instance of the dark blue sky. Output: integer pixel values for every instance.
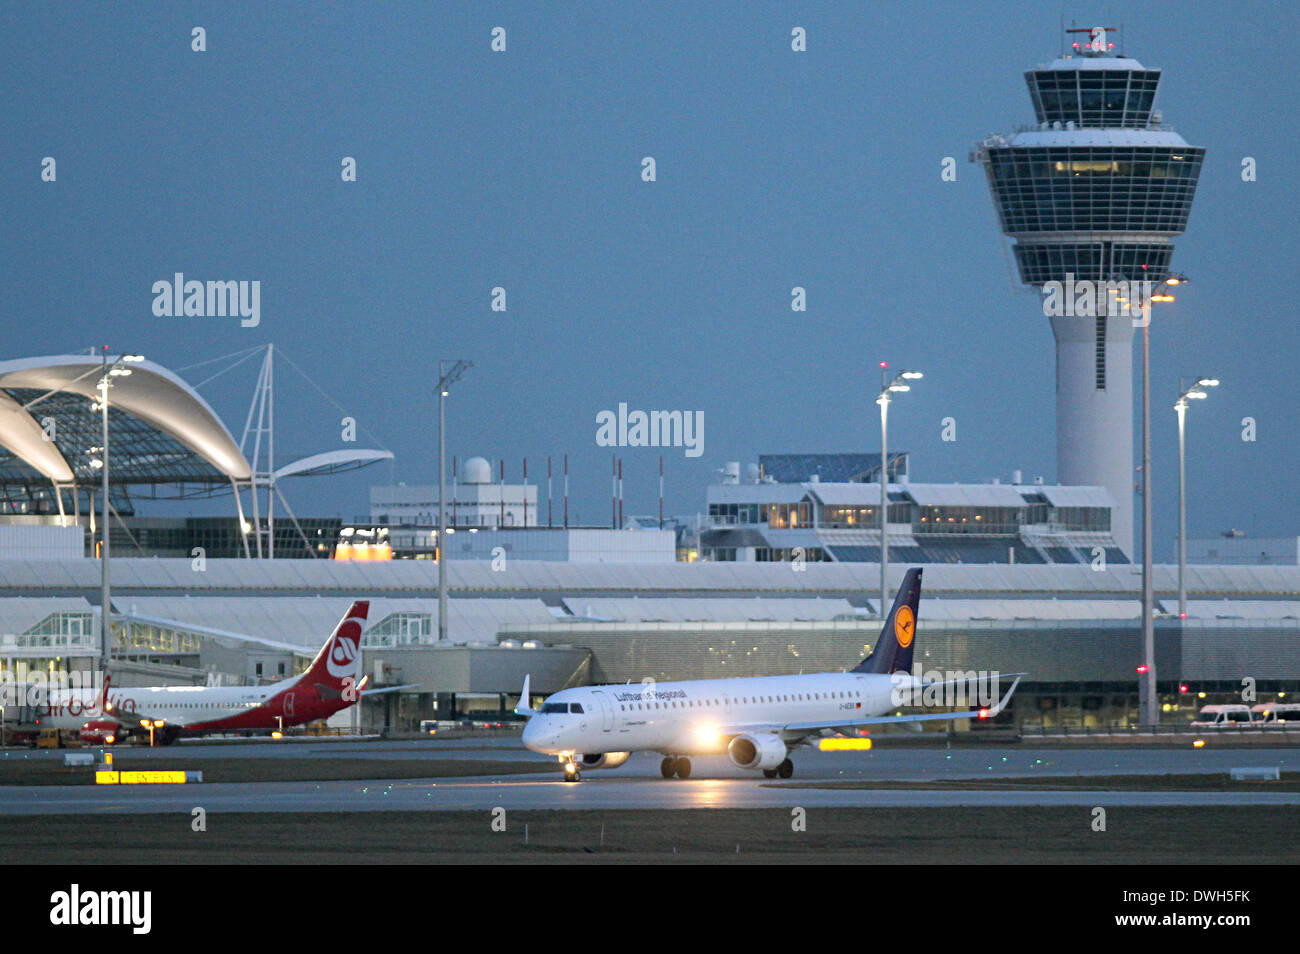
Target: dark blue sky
(522, 169)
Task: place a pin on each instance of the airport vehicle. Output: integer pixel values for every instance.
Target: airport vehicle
(1277, 713)
(332, 682)
(1229, 715)
(756, 721)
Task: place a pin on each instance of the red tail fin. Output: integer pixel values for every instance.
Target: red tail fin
(338, 664)
(105, 707)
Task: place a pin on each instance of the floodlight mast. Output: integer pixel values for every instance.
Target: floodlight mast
(446, 378)
(107, 373)
(1195, 392)
(897, 385)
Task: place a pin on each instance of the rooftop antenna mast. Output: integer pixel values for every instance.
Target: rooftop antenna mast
(260, 423)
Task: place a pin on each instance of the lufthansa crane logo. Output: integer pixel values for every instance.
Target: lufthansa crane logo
(904, 626)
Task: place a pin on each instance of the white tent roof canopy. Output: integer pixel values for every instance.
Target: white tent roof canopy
(150, 393)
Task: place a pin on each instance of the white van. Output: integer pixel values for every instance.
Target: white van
(1228, 715)
(1271, 713)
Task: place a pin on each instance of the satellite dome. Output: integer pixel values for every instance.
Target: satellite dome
(478, 471)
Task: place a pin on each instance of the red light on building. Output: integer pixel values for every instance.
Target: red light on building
(1143, 669)
(1183, 688)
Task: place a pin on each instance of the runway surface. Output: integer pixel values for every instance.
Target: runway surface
(637, 785)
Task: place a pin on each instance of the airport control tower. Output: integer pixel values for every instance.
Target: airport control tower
(1094, 191)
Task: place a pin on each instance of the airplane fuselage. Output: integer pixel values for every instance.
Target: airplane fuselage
(684, 718)
(198, 709)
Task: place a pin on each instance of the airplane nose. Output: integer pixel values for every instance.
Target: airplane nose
(532, 734)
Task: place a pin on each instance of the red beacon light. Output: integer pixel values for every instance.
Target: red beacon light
(1183, 689)
(1143, 669)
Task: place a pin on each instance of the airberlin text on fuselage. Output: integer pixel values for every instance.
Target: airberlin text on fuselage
(84, 706)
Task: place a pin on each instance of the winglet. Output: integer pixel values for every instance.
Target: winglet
(522, 709)
(1002, 703)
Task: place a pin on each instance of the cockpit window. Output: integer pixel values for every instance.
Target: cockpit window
(554, 708)
(575, 707)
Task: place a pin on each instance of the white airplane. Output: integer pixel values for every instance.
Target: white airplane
(756, 721)
(332, 682)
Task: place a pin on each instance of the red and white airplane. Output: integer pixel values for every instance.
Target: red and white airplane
(332, 682)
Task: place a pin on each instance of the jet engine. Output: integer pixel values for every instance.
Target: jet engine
(100, 732)
(595, 760)
(757, 751)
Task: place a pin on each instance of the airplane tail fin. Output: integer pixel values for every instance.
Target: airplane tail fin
(893, 650)
(102, 705)
(337, 667)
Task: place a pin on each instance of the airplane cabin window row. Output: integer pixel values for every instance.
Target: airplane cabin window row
(744, 700)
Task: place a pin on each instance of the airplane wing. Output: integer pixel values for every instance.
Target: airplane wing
(380, 692)
(807, 727)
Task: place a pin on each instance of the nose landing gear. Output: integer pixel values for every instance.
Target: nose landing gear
(571, 771)
(681, 767)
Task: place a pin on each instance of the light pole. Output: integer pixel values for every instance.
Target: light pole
(1147, 687)
(107, 373)
(887, 387)
(446, 378)
(1193, 393)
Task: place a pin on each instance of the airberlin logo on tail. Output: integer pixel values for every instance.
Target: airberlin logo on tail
(904, 626)
(342, 657)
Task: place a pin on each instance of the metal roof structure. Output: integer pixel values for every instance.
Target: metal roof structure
(162, 431)
(708, 610)
(305, 621)
(22, 614)
(1059, 496)
(836, 468)
(157, 576)
(963, 495)
(166, 431)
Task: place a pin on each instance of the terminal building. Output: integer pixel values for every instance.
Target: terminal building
(1074, 628)
(498, 521)
(826, 507)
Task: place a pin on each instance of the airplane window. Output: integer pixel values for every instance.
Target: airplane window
(576, 708)
(554, 708)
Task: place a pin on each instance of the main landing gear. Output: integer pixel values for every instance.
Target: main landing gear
(784, 770)
(681, 767)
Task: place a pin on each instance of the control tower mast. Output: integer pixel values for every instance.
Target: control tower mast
(1094, 192)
